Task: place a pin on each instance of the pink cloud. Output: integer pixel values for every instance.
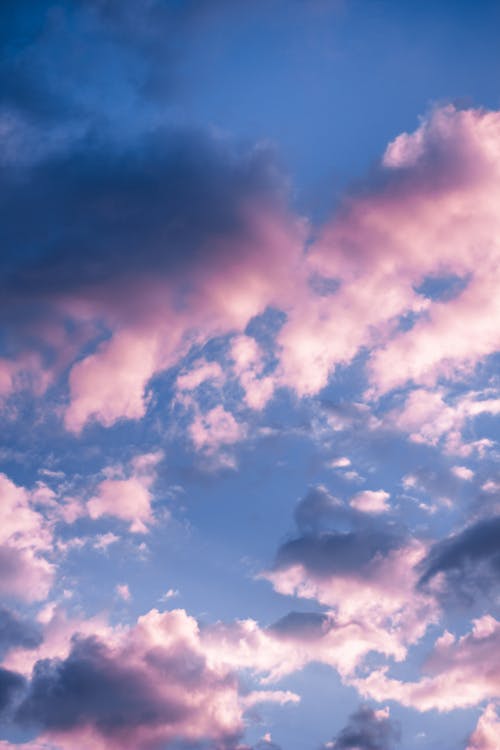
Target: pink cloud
(431, 417)
(123, 592)
(271, 655)
(214, 429)
(371, 501)
(128, 498)
(378, 604)
(152, 328)
(462, 673)
(154, 684)
(25, 540)
(58, 631)
(200, 372)
(486, 735)
(111, 383)
(463, 472)
(248, 365)
(432, 214)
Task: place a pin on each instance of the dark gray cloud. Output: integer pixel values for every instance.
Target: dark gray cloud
(101, 211)
(331, 553)
(336, 539)
(140, 696)
(105, 221)
(469, 561)
(302, 626)
(367, 731)
(91, 688)
(17, 632)
(11, 684)
(318, 508)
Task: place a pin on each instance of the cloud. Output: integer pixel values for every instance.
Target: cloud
(266, 743)
(248, 364)
(368, 581)
(466, 564)
(140, 688)
(319, 508)
(16, 631)
(371, 501)
(128, 498)
(25, 539)
(430, 216)
(302, 626)
(293, 642)
(363, 568)
(486, 735)
(123, 592)
(434, 418)
(368, 729)
(11, 684)
(458, 674)
(219, 245)
(159, 246)
(214, 429)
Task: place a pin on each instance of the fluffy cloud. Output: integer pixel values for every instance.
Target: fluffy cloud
(367, 580)
(371, 501)
(365, 571)
(178, 240)
(430, 216)
(142, 688)
(486, 735)
(219, 246)
(431, 417)
(25, 538)
(128, 498)
(462, 673)
(214, 429)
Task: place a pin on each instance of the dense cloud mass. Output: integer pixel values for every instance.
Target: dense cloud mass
(469, 560)
(142, 689)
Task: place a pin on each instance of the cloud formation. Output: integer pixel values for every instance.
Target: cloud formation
(368, 729)
(145, 687)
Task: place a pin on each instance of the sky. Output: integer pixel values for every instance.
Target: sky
(249, 375)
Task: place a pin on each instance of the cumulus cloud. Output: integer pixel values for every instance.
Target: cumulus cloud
(414, 224)
(290, 644)
(459, 673)
(218, 246)
(368, 580)
(363, 569)
(435, 418)
(486, 735)
(25, 539)
(143, 687)
(128, 498)
(213, 230)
